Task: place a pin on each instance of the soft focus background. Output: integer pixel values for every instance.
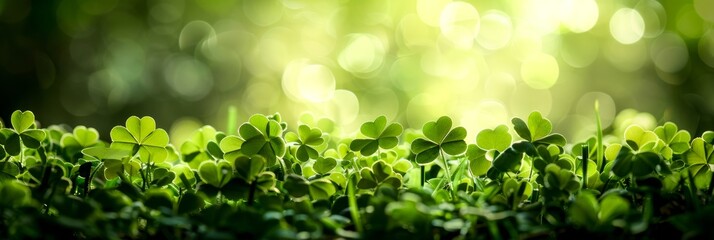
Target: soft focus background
(482, 62)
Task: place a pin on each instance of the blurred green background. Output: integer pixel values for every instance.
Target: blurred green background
(481, 62)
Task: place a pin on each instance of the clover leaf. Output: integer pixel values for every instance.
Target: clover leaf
(587, 212)
(537, 130)
(248, 168)
(307, 140)
(478, 161)
(640, 139)
(440, 137)
(517, 190)
(195, 149)
(185, 177)
(115, 167)
(637, 164)
(263, 136)
(81, 137)
(216, 174)
(324, 165)
(379, 173)
(230, 146)
(379, 135)
(297, 186)
(141, 135)
(560, 179)
(494, 139)
(677, 140)
(23, 133)
(699, 159)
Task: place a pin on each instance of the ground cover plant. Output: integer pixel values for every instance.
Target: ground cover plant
(267, 179)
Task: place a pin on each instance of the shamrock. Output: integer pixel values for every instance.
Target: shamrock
(379, 135)
(440, 137)
(141, 135)
(307, 140)
(537, 130)
(263, 136)
(23, 133)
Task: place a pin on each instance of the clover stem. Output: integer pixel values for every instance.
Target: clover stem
(585, 166)
(710, 190)
(280, 161)
(599, 147)
(251, 194)
(354, 209)
(423, 172)
(448, 174)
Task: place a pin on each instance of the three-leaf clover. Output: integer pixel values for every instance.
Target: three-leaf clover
(297, 186)
(587, 212)
(81, 137)
(640, 139)
(440, 136)
(263, 136)
(307, 140)
(677, 140)
(141, 135)
(638, 164)
(379, 135)
(537, 130)
(23, 133)
(216, 174)
(195, 149)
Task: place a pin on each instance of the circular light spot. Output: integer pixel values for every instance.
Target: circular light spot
(586, 107)
(706, 48)
(524, 46)
(194, 33)
(106, 86)
(578, 50)
(627, 26)
(540, 71)
(630, 117)
(487, 114)
(496, 30)
(263, 12)
(576, 128)
(412, 33)
(423, 108)
(261, 96)
(44, 69)
(689, 24)
(704, 9)
(654, 16)
(459, 23)
(526, 100)
(499, 85)
(579, 15)
(182, 129)
(364, 53)
(343, 108)
(189, 78)
(379, 101)
(626, 57)
(407, 75)
(669, 53)
(315, 83)
(430, 10)
(167, 11)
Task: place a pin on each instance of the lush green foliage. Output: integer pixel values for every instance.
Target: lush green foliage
(267, 181)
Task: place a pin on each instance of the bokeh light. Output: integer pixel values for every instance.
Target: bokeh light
(481, 62)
